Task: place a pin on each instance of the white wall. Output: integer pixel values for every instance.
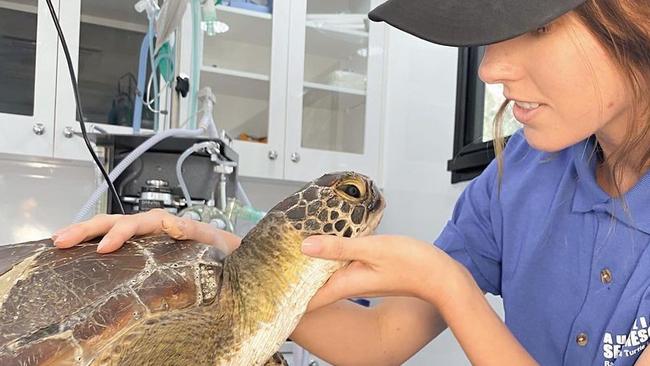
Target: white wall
(419, 130)
(38, 195)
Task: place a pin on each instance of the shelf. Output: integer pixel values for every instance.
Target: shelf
(338, 44)
(243, 12)
(246, 26)
(31, 6)
(322, 96)
(235, 83)
(339, 6)
(353, 25)
(114, 13)
(334, 88)
(344, 32)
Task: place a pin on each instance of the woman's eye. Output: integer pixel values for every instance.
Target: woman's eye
(351, 190)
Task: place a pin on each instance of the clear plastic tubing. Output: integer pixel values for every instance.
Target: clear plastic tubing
(142, 76)
(179, 165)
(196, 61)
(85, 211)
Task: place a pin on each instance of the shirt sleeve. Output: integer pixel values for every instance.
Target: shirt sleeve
(469, 237)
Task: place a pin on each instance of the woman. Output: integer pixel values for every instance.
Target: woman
(558, 226)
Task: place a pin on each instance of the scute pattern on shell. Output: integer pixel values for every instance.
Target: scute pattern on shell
(60, 304)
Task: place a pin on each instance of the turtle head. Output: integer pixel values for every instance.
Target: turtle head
(343, 204)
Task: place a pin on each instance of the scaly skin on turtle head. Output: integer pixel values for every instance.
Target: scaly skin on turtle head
(344, 204)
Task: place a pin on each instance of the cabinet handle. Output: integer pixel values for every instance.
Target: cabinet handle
(68, 132)
(295, 157)
(273, 154)
(38, 129)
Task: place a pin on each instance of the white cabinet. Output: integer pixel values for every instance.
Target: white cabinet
(28, 77)
(104, 38)
(37, 105)
(299, 89)
(246, 68)
(335, 83)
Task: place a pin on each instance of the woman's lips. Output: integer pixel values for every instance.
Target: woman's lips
(524, 112)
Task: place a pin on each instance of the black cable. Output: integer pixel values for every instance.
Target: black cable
(80, 115)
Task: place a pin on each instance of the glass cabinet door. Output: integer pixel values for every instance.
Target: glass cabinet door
(27, 48)
(335, 75)
(339, 49)
(18, 58)
(105, 39)
(239, 65)
(110, 39)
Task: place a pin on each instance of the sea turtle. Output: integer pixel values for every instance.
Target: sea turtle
(158, 301)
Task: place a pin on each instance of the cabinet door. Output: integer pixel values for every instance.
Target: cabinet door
(104, 38)
(27, 74)
(335, 83)
(246, 69)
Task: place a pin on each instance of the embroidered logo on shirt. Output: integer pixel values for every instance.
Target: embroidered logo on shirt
(626, 345)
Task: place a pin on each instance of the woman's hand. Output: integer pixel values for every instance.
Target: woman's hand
(394, 266)
(117, 229)
(383, 266)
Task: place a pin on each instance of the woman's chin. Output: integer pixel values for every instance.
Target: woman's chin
(542, 141)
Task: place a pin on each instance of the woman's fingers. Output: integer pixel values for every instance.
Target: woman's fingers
(340, 248)
(182, 228)
(126, 227)
(77, 233)
(331, 292)
(122, 231)
(355, 280)
(117, 229)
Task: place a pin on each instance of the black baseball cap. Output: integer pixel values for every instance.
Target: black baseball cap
(470, 22)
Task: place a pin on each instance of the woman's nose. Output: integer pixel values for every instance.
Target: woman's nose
(498, 66)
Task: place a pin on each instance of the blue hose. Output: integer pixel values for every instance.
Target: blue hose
(142, 78)
(153, 74)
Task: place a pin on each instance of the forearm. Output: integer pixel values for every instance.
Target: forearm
(481, 333)
(347, 334)
(340, 333)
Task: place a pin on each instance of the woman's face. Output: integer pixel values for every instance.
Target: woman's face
(564, 85)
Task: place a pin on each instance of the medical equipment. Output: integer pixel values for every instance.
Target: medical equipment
(265, 6)
(157, 179)
(151, 179)
(209, 23)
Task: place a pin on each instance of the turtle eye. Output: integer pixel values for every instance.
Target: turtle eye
(351, 190)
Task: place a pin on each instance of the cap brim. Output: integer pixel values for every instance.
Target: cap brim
(470, 22)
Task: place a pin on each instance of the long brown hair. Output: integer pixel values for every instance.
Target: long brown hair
(622, 27)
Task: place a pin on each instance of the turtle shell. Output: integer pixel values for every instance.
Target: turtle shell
(59, 306)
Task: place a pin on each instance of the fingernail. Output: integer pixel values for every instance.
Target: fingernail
(58, 238)
(59, 233)
(310, 247)
(101, 246)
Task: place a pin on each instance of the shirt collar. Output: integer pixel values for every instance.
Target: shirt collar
(590, 197)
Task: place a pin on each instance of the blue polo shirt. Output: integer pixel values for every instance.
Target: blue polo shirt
(571, 264)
